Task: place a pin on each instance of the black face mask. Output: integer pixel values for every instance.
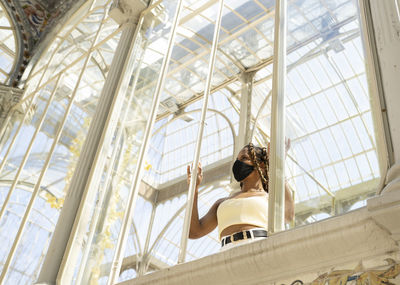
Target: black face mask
(241, 170)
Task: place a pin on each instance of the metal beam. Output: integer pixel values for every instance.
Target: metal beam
(211, 173)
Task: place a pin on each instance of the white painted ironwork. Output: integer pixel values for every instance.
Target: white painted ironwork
(192, 184)
(52, 261)
(134, 191)
(277, 156)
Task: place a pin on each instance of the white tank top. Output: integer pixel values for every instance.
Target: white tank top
(251, 210)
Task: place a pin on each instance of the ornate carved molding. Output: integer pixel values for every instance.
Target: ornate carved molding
(123, 11)
(377, 276)
(9, 96)
(33, 21)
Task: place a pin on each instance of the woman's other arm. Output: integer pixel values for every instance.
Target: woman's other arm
(289, 204)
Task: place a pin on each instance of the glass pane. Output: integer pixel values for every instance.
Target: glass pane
(328, 111)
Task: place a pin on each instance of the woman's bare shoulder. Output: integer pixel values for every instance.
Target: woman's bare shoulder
(219, 201)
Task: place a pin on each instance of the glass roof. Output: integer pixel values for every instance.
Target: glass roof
(326, 89)
(8, 47)
(328, 116)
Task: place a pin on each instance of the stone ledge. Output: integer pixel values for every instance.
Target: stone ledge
(336, 242)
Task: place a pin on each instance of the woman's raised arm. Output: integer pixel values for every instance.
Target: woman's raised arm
(205, 225)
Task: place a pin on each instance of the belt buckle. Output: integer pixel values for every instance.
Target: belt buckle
(245, 234)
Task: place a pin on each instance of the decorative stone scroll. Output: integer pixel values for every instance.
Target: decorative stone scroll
(361, 276)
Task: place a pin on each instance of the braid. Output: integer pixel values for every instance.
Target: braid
(264, 159)
(266, 163)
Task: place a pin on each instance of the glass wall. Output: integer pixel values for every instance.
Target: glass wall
(41, 147)
(118, 176)
(332, 165)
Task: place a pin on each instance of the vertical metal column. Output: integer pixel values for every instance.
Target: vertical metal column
(192, 184)
(134, 191)
(64, 227)
(105, 121)
(82, 275)
(276, 207)
(244, 135)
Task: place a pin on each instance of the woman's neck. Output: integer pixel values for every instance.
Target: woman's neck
(252, 187)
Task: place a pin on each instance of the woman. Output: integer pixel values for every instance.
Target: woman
(243, 216)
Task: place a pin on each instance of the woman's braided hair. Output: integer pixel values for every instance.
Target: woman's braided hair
(259, 155)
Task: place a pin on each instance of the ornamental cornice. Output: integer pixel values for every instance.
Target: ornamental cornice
(123, 11)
